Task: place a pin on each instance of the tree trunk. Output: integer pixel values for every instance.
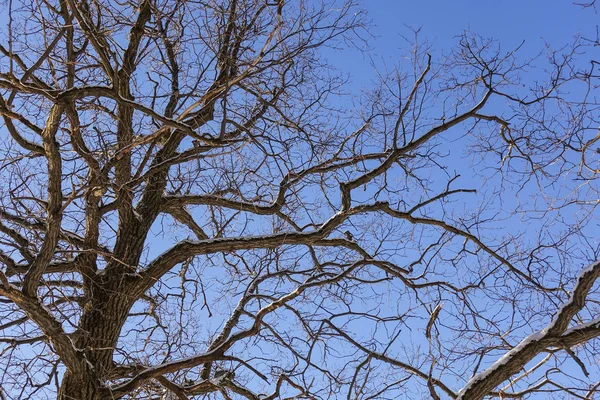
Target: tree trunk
(75, 387)
(97, 336)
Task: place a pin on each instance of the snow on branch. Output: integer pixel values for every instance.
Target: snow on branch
(514, 360)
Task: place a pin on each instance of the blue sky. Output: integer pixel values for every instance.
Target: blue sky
(511, 22)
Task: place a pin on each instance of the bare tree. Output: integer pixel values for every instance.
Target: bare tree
(191, 207)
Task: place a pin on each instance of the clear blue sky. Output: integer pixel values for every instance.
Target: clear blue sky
(508, 21)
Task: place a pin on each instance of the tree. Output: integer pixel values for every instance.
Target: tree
(192, 208)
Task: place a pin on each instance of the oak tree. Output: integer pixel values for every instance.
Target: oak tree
(196, 204)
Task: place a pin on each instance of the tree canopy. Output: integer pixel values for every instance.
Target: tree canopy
(196, 204)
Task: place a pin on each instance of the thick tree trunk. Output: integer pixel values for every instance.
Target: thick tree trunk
(97, 336)
(79, 388)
